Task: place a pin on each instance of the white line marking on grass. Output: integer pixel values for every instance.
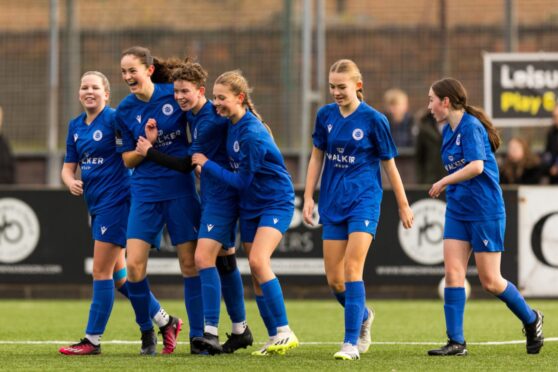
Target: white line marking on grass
(127, 342)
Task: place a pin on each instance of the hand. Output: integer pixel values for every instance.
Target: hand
(76, 187)
(142, 146)
(407, 217)
(437, 188)
(151, 131)
(199, 159)
(553, 170)
(308, 211)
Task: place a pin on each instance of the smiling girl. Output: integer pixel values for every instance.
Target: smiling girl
(353, 139)
(266, 199)
(105, 182)
(215, 250)
(160, 196)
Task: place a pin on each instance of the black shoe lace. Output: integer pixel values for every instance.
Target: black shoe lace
(83, 341)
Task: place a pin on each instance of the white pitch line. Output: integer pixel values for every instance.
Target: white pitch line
(127, 342)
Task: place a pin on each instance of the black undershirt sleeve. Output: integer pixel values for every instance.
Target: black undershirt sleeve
(183, 165)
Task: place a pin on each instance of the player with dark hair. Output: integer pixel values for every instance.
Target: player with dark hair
(475, 214)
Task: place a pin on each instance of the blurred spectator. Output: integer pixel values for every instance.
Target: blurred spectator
(401, 121)
(550, 157)
(520, 166)
(7, 161)
(427, 150)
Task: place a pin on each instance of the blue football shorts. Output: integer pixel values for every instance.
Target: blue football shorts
(182, 217)
(341, 231)
(484, 236)
(218, 227)
(277, 219)
(110, 224)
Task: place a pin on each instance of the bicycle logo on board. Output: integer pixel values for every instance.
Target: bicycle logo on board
(19, 230)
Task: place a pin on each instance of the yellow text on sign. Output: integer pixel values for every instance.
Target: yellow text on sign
(523, 103)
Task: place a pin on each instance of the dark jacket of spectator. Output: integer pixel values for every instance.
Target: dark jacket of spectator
(7, 160)
(550, 156)
(520, 166)
(427, 150)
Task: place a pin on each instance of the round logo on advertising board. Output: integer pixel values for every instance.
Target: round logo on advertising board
(19, 230)
(424, 242)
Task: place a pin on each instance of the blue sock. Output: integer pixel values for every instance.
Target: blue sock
(233, 294)
(354, 309)
(266, 316)
(101, 306)
(154, 305)
(454, 306)
(139, 297)
(275, 303)
(517, 304)
(211, 293)
(194, 305)
(340, 296)
(124, 290)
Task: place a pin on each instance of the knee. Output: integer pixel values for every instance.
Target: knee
(136, 272)
(353, 271)
(187, 265)
(100, 273)
(454, 277)
(257, 263)
(202, 261)
(136, 269)
(492, 284)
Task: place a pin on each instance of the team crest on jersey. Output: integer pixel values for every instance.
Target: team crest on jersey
(458, 140)
(168, 109)
(97, 135)
(138, 118)
(358, 134)
(329, 127)
(236, 146)
(75, 137)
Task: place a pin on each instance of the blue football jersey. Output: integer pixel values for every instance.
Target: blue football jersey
(150, 181)
(254, 155)
(479, 198)
(209, 137)
(105, 179)
(351, 186)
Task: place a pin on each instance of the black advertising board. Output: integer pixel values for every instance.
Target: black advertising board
(520, 89)
(45, 238)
